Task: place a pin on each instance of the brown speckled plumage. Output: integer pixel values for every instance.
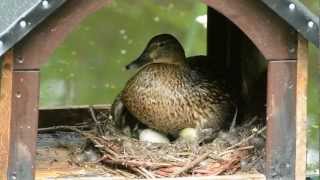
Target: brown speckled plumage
(167, 95)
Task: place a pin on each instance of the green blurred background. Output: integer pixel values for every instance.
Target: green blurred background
(88, 67)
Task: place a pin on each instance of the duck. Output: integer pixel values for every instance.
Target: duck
(171, 92)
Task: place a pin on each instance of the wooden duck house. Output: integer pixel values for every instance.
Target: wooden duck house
(280, 30)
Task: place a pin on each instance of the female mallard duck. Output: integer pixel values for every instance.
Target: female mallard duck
(168, 95)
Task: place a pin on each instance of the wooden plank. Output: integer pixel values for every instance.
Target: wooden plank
(301, 108)
(281, 115)
(266, 30)
(71, 174)
(68, 115)
(5, 112)
(24, 124)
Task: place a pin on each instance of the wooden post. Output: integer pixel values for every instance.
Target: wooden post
(18, 117)
(5, 112)
(24, 119)
(281, 119)
(286, 116)
(301, 108)
(24, 123)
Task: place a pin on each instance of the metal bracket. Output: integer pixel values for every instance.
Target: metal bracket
(25, 22)
(298, 16)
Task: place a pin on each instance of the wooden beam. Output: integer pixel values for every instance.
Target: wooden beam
(5, 112)
(25, 89)
(265, 29)
(281, 119)
(301, 108)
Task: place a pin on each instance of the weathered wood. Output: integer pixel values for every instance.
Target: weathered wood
(301, 108)
(266, 30)
(67, 115)
(281, 115)
(5, 112)
(24, 120)
(63, 175)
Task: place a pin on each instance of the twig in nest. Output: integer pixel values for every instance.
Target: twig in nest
(95, 119)
(146, 172)
(53, 128)
(254, 119)
(230, 164)
(191, 164)
(247, 139)
(238, 149)
(93, 115)
(133, 163)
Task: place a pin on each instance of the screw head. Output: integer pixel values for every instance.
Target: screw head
(23, 24)
(18, 95)
(310, 24)
(292, 6)
(45, 4)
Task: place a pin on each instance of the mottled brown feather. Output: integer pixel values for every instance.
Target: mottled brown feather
(170, 97)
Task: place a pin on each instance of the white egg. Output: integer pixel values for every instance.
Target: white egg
(189, 135)
(150, 135)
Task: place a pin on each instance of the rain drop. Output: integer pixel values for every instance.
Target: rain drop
(171, 5)
(156, 19)
(122, 31)
(123, 51)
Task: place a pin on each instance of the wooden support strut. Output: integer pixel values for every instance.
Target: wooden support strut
(286, 116)
(301, 109)
(281, 115)
(24, 121)
(5, 112)
(19, 117)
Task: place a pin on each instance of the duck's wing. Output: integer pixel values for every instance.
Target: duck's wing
(118, 110)
(122, 117)
(199, 63)
(204, 66)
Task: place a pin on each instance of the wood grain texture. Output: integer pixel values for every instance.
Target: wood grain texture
(5, 112)
(281, 117)
(301, 108)
(266, 29)
(24, 120)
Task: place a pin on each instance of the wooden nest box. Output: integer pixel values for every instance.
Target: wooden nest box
(232, 25)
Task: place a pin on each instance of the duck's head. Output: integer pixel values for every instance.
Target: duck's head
(163, 48)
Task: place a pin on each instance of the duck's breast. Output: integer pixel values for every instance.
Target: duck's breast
(169, 98)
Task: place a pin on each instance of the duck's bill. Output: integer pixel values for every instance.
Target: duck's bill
(139, 62)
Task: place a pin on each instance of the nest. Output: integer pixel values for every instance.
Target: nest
(240, 150)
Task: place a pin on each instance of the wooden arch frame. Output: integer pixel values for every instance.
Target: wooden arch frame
(286, 102)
